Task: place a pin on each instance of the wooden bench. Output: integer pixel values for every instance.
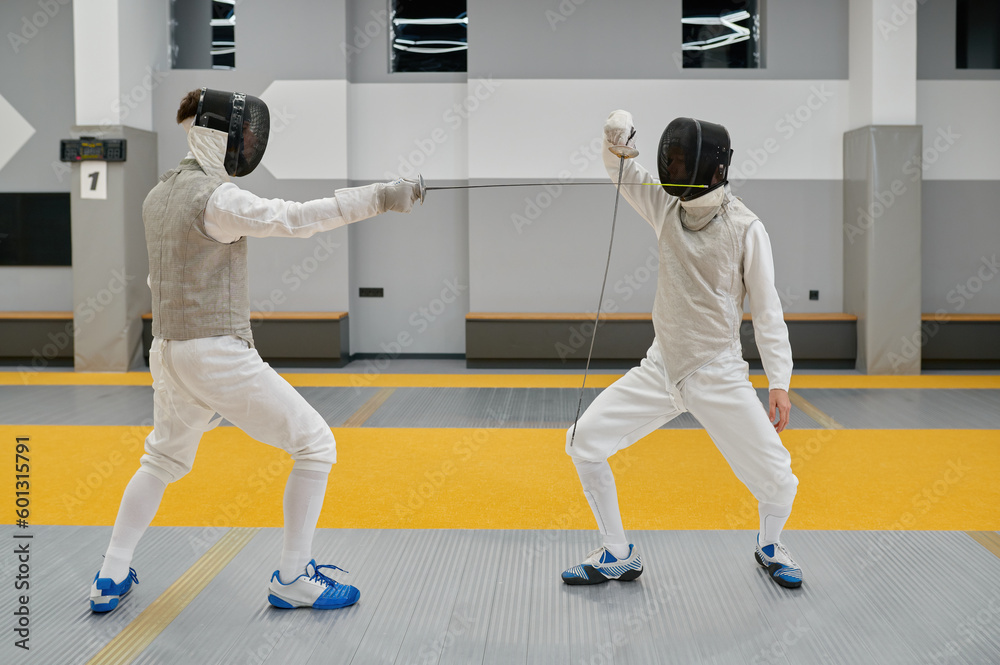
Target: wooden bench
(960, 341)
(37, 339)
(525, 339)
(301, 339)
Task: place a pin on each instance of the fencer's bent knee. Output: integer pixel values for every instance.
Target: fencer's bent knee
(318, 453)
(583, 445)
(165, 468)
(780, 489)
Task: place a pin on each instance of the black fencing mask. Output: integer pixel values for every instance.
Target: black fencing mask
(244, 118)
(691, 152)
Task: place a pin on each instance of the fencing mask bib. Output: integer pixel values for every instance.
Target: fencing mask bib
(691, 152)
(244, 118)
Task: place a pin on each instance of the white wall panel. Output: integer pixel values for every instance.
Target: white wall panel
(960, 120)
(399, 129)
(143, 36)
(95, 59)
(544, 128)
(308, 130)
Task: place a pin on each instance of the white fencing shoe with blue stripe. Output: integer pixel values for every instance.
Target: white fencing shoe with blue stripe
(312, 589)
(601, 566)
(779, 564)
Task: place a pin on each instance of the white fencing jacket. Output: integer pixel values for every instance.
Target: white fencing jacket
(713, 251)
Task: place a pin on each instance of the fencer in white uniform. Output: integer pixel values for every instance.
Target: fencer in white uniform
(202, 359)
(713, 251)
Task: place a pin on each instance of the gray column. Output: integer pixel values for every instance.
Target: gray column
(110, 263)
(882, 183)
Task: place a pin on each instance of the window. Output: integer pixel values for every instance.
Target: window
(203, 34)
(428, 37)
(224, 34)
(977, 38)
(721, 34)
(35, 229)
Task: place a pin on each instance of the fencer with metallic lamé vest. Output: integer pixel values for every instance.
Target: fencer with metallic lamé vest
(699, 300)
(200, 286)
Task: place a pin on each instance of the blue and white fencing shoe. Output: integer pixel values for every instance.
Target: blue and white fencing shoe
(105, 592)
(601, 566)
(311, 589)
(779, 564)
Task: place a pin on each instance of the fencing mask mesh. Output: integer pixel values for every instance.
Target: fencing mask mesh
(690, 153)
(244, 118)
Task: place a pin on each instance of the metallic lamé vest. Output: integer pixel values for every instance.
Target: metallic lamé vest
(698, 308)
(200, 287)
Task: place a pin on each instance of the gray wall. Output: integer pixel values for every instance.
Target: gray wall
(37, 81)
(421, 260)
(961, 225)
(642, 40)
(936, 44)
(961, 244)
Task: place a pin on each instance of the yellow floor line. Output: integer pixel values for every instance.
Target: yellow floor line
(988, 539)
(808, 408)
(141, 632)
(562, 380)
(368, 409)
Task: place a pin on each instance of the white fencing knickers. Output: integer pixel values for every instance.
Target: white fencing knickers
(718, 394)
(195, 379)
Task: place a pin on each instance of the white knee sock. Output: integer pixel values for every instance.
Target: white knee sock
(599, 488)
(772, 521)
(304, 493)
(139, 504)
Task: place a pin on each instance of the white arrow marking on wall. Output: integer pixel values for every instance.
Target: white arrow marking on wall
(16, 132)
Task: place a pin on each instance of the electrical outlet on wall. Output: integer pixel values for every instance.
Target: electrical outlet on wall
(370, 292)
(813, 294)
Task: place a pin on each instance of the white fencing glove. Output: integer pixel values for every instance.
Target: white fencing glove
(619, 130)
(398, 195)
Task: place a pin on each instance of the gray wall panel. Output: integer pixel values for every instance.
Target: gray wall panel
(421, 260)
(291, 40)
(882, 252)
(37, 80)
(539, 250)
(961, 245)
(638, 39)
(936, 44)
(534, 252)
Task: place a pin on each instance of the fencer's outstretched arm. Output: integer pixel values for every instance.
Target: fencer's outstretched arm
(649, 202)
(765, 308)
(232, 212)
